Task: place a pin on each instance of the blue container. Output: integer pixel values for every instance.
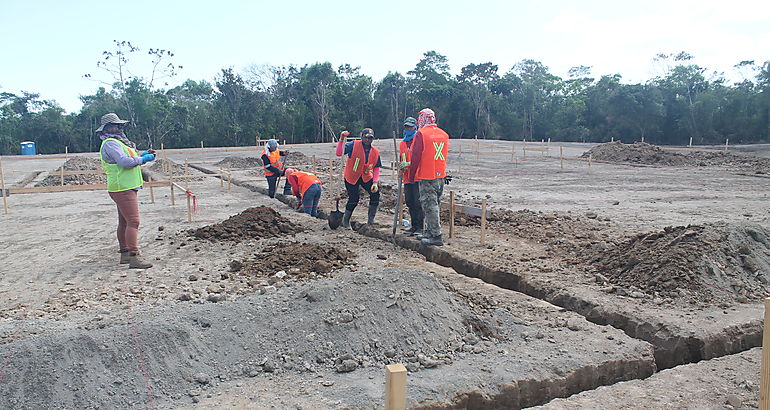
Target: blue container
(28, 148)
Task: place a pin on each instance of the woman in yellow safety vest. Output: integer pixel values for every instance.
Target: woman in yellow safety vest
(122, 165)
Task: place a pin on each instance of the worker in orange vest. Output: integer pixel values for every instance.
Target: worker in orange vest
(272, 164)
(429, 153)
(362, 168)
(411, 187)
(307, 188)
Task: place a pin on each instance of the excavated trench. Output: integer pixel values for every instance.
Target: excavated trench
(672, 346)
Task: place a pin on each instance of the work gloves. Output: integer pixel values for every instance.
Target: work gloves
(147, 158)
(375, 187)
(403, 164)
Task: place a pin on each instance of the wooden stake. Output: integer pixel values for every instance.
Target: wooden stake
(483, 220)
(451, 214)
(66, 150)
(221, 179)
(201, 144)
(229, 179)
(590, 159)
(764, 390)
(315, 168)
(612, 139)
(62, 173)
(152, 195)
(561, 156)
(727, 142)
(690, 145)
(2, 188)
(189, 207)
(171, 178)
(395, 387)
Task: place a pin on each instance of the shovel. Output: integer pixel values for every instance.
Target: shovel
(335, 217)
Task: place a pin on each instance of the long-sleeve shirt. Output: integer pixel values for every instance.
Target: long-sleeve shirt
(113, 153)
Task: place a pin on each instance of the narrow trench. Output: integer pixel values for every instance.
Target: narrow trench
(670, 349)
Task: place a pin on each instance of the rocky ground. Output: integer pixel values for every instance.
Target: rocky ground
(255, 305)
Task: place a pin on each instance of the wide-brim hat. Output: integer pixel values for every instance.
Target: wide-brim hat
(110, 118)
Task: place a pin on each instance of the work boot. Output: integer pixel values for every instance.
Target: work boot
(416, 232)
(421, 236)
(136, 261)
(372, 214)
(436, 241)
(346, 219)
(124, 256)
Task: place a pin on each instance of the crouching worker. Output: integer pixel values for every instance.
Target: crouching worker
(362, 168)
(307, 188)
(122, 165)
(271, 162)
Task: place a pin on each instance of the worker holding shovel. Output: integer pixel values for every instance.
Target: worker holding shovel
(307, 188)
(271, 160)
(362, 168)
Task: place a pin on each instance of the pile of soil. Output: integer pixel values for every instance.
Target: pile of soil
(715, 263)
(643, 153)
(252, 223)
(364, 319)
(297, 261)
(636, 153)
(75, 164)
(240, 163)
(162, 164)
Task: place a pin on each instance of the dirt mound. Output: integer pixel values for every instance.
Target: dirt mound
(636, 153)
(363, 319)
(710, 263)
(166, 166)
(240, 163)
(643, 153)
(252, 223)
(75, 164)
(298, 261)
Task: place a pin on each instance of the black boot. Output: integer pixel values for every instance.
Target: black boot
(346, 219)
(372, 214)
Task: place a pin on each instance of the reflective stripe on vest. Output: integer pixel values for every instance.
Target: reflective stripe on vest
(356, 166)
(119, 178)
(275, 160)
(435, 150)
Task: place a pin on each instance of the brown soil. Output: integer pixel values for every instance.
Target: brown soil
(715, 263)
(75, 164)
(253, 223)
(239, 163)
(160, 165)
(643, 153)
(307, 261)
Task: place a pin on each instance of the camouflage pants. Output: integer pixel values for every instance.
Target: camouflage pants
(430, 198)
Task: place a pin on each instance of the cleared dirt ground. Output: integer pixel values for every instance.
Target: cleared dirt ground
(614, 285)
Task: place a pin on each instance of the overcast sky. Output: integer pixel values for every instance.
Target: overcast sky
(48, 45)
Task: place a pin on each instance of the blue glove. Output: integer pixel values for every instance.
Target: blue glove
(147, 158)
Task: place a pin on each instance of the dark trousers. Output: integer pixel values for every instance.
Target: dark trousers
(353, 197)
(412, 197)
(271, 183)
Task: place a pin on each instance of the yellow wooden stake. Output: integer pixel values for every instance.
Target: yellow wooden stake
(764, 391)
(451, 214)
(483, 220)
(395, 387)
(2, 188)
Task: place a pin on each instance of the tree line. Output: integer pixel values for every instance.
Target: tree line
(314, 102)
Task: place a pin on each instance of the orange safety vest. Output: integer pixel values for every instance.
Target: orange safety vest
(357, 166)
(305, 180)
(406, 155)
(435, 149)
(275, 160)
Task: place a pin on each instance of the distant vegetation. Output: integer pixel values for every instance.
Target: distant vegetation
(316, 101)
